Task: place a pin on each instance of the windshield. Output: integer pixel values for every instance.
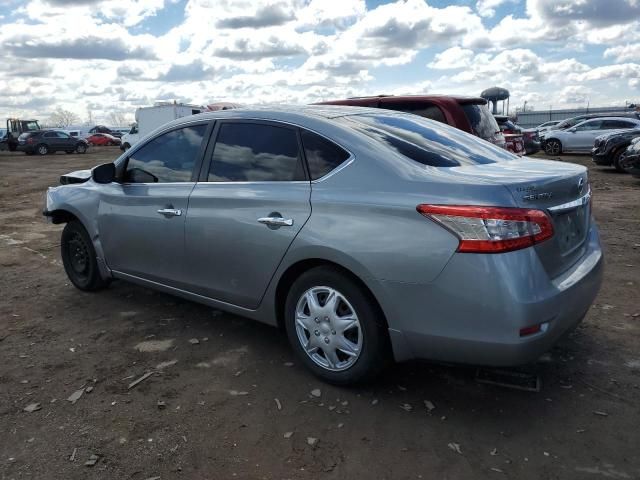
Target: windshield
(482, 122)
(426, 141)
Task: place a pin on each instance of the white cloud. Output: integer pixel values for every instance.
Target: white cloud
(624, 53)
(454, 57)
(487, 8)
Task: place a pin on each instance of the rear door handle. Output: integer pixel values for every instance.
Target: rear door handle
(276, 221)
(170, 212)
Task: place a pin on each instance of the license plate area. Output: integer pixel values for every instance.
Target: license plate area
(571, 228)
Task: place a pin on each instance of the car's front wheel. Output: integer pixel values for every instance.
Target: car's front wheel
(335, 327)
(79, 258)
(617, 156)
(553, 147)
(81, 148)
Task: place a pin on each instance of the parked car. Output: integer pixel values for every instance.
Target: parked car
(573, 121)
(512, 135)
(107, 130)
(609, 148)
(354, 229)
(44, 142)
(630, 161)
(469, 114)
(103, 139)
(582, 137)
(543, 127)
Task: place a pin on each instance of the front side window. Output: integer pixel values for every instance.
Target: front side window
(50, 135)
(253, 152)
(592, 125)
(171, 157)
(322, 155)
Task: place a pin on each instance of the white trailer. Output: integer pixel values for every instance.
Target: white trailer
(150, 118)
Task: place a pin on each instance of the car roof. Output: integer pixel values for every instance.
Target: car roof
(287, 113)
(633, 120)
(439, 98)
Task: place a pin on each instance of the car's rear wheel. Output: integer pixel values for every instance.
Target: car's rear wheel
(616, 160)
(79, 258)
(42, 149)
(81, 148)
(553, 147)
(335, 327)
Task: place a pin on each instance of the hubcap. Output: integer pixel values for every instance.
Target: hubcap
(328, 328)
(553, 148)
(43, 150)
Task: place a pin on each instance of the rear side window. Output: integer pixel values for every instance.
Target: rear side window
(423, 109)
(254, 152)
(168, 158)
(322, 155)
(482, 123)
(611, 124)
(428, 143)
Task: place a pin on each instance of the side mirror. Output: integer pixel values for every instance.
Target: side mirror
(105, 173)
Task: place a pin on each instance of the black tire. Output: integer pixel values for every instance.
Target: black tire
(553, 147)
(617, 156)
(12, 147)
(43, 149)
(81, 148)
(374, 354)
(79, 258)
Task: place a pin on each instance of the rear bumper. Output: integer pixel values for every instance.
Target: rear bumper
(26, 148)
(473, 312)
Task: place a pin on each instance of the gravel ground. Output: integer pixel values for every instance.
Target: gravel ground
(234, 403)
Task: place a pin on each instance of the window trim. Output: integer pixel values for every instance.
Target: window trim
(197, 167)
(206, 164)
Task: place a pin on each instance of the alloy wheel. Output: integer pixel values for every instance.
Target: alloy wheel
(328, 328)
(553, 147)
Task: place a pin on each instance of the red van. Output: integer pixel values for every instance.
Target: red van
(469, 114)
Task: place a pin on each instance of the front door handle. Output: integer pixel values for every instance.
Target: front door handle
(170, 212)
(276, 221)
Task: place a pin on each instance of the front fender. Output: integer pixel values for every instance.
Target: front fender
(80, 201)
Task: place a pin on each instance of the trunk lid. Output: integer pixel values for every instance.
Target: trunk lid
(561, 189)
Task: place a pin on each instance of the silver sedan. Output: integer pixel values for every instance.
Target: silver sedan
(368, 235)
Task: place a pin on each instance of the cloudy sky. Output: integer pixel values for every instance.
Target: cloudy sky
(109, 56)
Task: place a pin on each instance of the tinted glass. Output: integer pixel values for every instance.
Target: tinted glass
(481, 120)
(322, 155)
(50, 135)
(167, 158)
(426, 142)
(62, 135)
(590, 125)
(611, 124)
(423, 109)
(251, 152)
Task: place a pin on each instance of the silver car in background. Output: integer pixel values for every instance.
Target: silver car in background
(580, 138)
(367, 234)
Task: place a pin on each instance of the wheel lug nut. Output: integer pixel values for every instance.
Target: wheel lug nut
(333, 332)
(317, 333)
(326, 319)
(317, 320)
(326, 340)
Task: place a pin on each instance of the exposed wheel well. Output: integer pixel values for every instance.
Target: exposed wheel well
(62, 216)
(297, 269)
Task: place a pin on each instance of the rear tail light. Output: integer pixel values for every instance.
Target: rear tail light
(491, 229)
(30, 140)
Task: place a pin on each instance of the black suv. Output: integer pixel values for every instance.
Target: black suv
(43, 142)
(608, 149)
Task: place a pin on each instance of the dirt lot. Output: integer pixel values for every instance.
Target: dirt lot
(220, 418)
